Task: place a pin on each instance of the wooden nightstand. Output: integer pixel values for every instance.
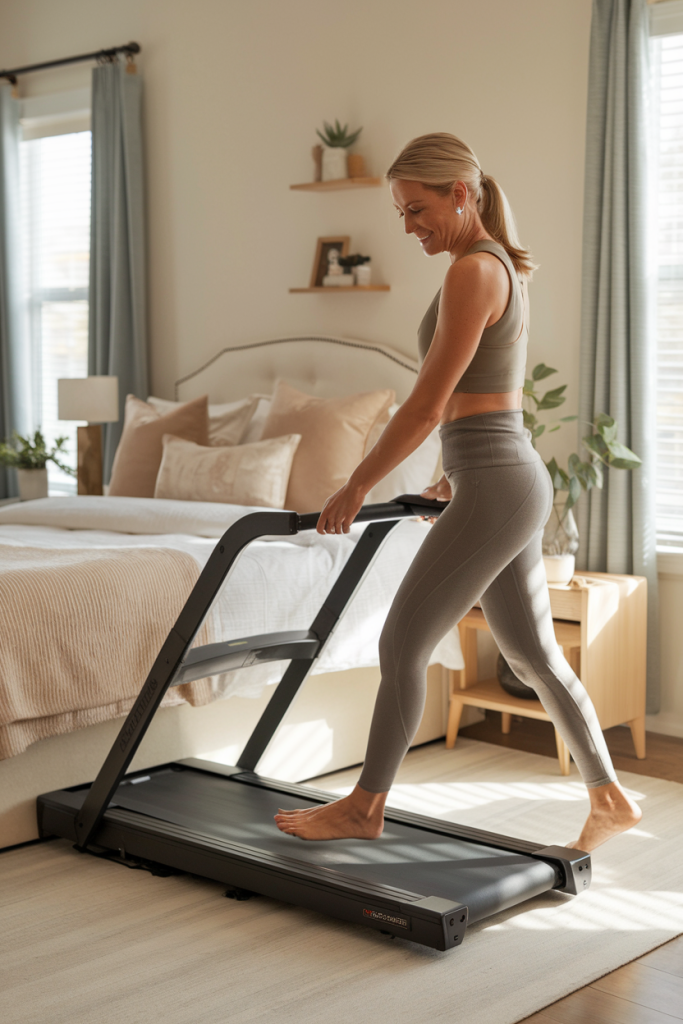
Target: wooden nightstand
(600, 623)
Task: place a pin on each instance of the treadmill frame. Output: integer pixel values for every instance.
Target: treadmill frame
(91, 823)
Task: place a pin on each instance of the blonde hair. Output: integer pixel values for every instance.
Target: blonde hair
(438, 161)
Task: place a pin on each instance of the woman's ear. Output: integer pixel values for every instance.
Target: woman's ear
(459, 195)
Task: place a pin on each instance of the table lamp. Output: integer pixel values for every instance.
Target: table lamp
(95, 399)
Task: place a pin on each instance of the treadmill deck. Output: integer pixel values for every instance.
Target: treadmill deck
(408, 858)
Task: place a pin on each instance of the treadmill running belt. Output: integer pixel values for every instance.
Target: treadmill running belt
(487, 880)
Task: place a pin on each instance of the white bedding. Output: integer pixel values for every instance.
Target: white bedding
(275, 585)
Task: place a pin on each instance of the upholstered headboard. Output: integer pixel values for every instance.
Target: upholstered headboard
(317, 364)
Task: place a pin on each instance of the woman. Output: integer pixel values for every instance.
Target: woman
(487, 544)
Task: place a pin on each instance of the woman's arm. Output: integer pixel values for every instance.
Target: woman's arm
(468, 296)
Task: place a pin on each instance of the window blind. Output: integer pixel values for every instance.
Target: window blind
(667, 177)
(55, 181)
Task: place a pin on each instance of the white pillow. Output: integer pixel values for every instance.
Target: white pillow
(258, 420)
(412, 475)
(228, 421)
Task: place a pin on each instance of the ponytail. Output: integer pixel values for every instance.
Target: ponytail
(498, 219)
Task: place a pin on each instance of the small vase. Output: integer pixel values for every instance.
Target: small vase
(32, 484)
(363, 275)
(334, 163)
(560, 543)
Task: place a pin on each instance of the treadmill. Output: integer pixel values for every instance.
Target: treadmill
(423, 880)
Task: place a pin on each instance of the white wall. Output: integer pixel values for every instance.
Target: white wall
(233, 92)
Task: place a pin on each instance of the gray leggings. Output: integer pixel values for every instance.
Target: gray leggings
(485, 546)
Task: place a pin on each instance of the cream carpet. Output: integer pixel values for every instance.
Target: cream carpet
(83, 941)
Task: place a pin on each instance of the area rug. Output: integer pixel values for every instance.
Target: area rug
(84, 941)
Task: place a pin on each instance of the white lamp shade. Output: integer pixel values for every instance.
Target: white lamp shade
(95, 399)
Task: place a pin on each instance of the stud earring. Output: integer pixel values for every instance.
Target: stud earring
(458, 209)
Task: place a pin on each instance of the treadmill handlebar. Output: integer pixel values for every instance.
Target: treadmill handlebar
(403, 507)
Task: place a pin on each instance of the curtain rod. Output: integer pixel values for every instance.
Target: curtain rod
(129, 49)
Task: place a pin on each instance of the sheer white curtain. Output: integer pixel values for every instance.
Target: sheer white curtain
(14, 368)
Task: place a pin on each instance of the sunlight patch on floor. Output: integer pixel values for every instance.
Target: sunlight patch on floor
(607, 910)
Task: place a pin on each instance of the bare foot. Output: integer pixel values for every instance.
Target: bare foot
(612, 812)
(357, 816)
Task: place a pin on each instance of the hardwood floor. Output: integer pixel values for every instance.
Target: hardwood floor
(649, 990)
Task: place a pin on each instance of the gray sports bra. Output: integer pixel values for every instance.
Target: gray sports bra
(499, 361)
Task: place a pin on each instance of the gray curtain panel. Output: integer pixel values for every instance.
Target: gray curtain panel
(14, 355)
(117, 337)
(617, 524)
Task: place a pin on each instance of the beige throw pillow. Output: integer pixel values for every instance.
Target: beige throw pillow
(246, 474)
(138, 455)
(228, 422)
(334, 432)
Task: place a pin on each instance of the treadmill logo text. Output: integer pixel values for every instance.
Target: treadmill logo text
(378, 915)
(137, 713)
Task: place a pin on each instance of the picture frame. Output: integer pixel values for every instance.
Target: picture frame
(322, 250)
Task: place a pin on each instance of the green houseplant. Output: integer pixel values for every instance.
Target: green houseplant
(336, 140)
(29, 456)
(602, 449)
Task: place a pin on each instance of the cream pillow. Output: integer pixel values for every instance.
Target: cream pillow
(246, 474)
(334, 433)
(228, 422)
(138, 455)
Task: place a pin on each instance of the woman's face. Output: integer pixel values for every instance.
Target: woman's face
(429, 216)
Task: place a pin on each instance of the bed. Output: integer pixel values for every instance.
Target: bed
(57, 739)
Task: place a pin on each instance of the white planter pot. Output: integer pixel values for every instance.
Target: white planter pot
(32, 484)
(559, 568)
(363, 275)
(334, 163)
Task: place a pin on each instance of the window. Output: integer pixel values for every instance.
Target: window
(55, 183)
(667, 179)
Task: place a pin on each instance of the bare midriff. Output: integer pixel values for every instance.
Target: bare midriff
(461, 405)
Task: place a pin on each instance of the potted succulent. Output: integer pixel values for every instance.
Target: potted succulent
(561, 537)
(359, 266)
(29, 456)
(336, 141)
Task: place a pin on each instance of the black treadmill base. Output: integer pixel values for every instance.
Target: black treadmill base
(422, 880)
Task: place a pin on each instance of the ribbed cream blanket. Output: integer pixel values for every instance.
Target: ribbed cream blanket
(79, 631)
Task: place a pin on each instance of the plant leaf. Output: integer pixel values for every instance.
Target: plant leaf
(596, 444)
(541, 371)
(606, 427)
(568, 419)
(539, 430)
(574, 493)
(552, 399)
(622, 457)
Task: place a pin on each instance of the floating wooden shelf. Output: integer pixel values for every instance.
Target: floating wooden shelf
(350, 288)
(333, 186)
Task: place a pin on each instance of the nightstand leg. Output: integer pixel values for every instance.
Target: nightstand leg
(454, 716)
(506, 722)
(562, 754)
(637, 727)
